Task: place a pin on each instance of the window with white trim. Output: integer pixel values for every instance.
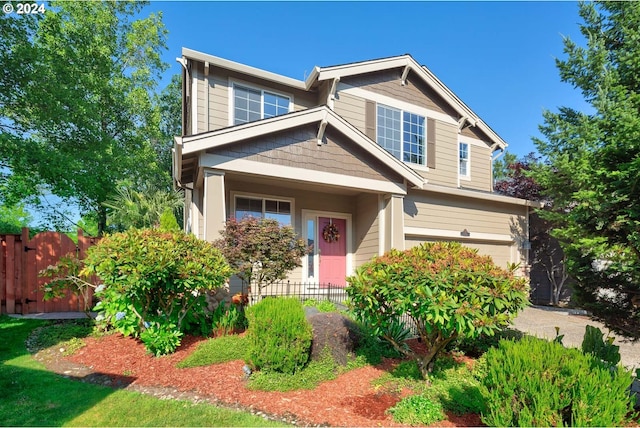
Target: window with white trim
(402, 134)
(254, 104)
(465, 170)
(276, 209)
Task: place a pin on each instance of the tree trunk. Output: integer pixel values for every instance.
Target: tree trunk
(102, 220)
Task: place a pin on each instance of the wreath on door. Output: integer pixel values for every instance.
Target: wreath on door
(330, 233)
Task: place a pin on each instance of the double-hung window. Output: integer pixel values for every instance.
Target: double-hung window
(464, 160)
(263, 208)
(255, 104)
(402, 134)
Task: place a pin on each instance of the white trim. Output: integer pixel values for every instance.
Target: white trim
(455, 234)
(305, 215)
(232, 82)
(233, 194)
(395, 103)
(209, 160)
(476, 194)
(382, 219)
(195, 197)
(467, 176)
(244, 69)
(194, 101)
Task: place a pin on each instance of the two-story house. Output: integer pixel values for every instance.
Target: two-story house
(358, 158)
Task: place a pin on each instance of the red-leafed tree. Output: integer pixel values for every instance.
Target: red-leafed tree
(546, 253)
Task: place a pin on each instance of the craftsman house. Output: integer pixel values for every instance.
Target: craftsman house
(358, 158)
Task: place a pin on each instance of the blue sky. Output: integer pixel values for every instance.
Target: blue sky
(498, 57)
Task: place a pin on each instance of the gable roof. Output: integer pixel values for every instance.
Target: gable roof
(320, 74)
(322, 115)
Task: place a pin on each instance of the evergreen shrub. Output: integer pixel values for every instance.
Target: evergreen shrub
(279, 336)
(534, 382)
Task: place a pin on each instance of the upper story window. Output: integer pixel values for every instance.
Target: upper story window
(465, 169)
(402, 134)
(254, 104)
(264, 208)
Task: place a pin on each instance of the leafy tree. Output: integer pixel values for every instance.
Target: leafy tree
(592, 170)
(13, 219)
(447, 291)
(501, 166)
(546, 254)
(260, 250)
(141, 208)
(78, 111)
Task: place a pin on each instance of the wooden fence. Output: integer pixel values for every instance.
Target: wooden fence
(21, 259)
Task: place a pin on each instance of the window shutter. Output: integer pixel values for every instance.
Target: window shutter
(431, 143)
(370, 119)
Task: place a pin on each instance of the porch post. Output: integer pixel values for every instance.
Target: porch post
(396, 221)
(214, 204)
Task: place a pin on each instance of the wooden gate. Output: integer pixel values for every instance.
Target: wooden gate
(21, 259)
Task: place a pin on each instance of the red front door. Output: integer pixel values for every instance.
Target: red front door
(332, 248)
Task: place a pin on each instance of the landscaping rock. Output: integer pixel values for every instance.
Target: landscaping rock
(333, 331)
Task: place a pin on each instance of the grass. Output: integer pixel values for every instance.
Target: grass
(215, 351)
(32, 396)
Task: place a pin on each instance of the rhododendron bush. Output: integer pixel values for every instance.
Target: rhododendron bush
(445, 289)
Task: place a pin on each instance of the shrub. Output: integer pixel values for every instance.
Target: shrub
(155, 278)
(594, 344)
(228, 319)
(534, 382)
(447, 291)
(417, 410)
(279, 335)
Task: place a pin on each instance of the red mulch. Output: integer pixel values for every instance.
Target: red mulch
(349, 400)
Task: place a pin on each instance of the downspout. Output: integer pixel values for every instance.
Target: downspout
(493, 159)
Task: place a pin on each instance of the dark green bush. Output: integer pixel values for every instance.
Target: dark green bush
(279, 335)
(155, 282)
(534, 382)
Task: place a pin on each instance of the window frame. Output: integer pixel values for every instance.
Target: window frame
(402, 112)
(232, 99)
(466, 159)
(263, 198)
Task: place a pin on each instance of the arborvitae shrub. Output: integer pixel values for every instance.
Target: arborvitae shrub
(279, 335)
(534, 382)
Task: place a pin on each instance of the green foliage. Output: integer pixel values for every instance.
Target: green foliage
(218, 350)
(407, 370)
(279, 335)
(168, 221)
(66, 334)
(417, 410)
(66, 276)
(161, 339)
(260, 250)
(77, 112)
(593, 164)
(594, 344)
(144, 208)
(153, 276)
(447, 291)
(477, 346)
(321, 305)
(535, 382)
(229, 319)
(13, 219)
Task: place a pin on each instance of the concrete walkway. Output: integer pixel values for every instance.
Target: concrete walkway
(542, 321)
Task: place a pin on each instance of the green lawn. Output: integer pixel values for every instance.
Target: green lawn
(32, 396)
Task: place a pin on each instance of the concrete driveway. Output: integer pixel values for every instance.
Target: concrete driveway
(541, 322)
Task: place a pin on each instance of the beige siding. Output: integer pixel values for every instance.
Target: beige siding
(501, 254)
(366, 225)
(446, 171)
(299, 149)
(387, 82)
(434, 211)
(201, 95)
(218, 102)
(480, 168)
(351, 108)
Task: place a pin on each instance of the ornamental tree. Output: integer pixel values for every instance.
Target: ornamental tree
(261, 250)
(445, 289)
(592, 167)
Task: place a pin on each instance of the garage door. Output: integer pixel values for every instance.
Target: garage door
(499, 252)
